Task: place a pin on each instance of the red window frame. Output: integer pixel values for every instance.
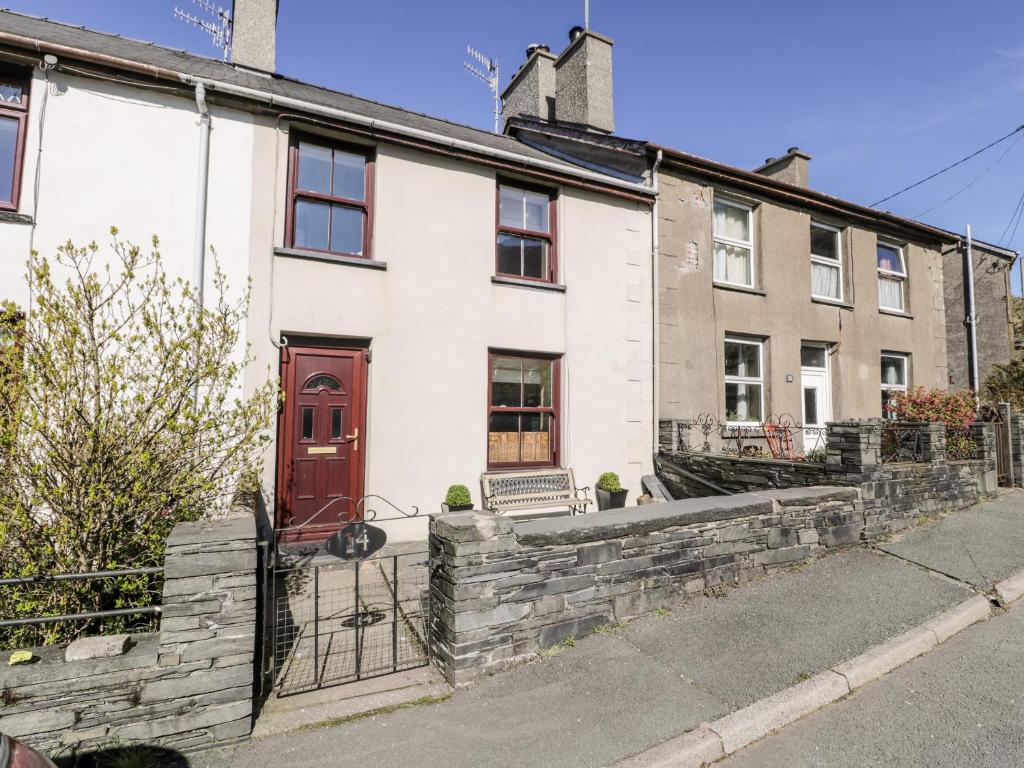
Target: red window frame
(295, 193)
(19, 112)
(550, 237)
(554, 411)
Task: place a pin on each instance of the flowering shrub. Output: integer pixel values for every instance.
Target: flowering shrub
(957, 409)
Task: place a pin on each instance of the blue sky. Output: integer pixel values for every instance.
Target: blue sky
(881, 93)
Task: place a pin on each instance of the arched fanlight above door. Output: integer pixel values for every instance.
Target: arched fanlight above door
(322, 381)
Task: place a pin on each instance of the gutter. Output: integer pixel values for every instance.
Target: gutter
(803, 196)
(287, 103)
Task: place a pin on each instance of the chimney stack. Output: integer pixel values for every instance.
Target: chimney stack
(532, 90)
(583, 82)
(790, 168)
(254, 34)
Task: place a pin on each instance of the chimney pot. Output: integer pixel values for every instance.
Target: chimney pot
(575, 32)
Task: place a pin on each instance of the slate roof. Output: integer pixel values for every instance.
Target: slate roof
(214, 69)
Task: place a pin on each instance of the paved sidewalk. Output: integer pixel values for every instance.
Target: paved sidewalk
(617, 694)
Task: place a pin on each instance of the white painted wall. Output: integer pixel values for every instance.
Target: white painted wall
(123, 156)
(126, 156)
(434, 313)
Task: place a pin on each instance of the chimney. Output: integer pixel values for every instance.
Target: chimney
(790, 168)
(583, 82)
(254, 33)
(532, 90)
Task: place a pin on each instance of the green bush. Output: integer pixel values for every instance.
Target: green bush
(457, 496)
(609, 481)
(120, 417)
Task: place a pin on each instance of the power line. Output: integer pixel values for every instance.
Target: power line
(973, 181)
(1016, 210)
(1015, 131)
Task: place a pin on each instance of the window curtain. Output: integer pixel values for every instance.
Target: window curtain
(732, 264)
(890, 293)
(824, 280)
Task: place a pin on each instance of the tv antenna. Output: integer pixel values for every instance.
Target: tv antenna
(489, 75)
(218, 27)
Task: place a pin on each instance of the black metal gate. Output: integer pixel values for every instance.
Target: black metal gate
(337, 622)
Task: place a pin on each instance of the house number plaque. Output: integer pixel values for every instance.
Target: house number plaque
(356, 541)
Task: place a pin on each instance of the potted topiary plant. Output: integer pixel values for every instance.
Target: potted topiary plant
(458, 499)
(610, 493)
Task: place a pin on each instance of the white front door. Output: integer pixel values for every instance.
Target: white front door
(816, 393)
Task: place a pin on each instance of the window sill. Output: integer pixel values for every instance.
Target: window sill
(895, 313)
(535, 284)
(16, 218)
(352, 261)
(831, 302)
(738, 288)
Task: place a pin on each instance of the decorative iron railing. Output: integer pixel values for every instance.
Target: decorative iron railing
(902, 442)
(777, 437)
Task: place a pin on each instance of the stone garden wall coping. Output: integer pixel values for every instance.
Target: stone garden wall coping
(634, 521)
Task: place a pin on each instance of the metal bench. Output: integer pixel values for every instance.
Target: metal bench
(533, 489)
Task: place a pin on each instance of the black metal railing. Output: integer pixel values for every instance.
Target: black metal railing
(902, 442)
(776, 437)
(346, 621)
(40, 629)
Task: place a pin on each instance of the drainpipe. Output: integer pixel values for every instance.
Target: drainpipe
(199, 263)
(655, 309)
(971, 319)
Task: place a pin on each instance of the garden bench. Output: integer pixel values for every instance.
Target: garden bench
(535, 489)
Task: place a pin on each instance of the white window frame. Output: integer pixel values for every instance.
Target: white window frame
(827, 262)
(759, 379)
(905, 360)
(733, 242)
(889, 274)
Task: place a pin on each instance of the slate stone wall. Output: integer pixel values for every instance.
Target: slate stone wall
(733, 474)
(501, 591)
(188, 686)
(853, 457)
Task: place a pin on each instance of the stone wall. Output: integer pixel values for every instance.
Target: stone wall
(187, 686)
(502, 590)
(733, 474)
(853, 457)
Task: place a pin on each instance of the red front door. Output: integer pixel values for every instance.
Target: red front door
(321, 441)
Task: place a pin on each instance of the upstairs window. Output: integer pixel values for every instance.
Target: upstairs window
(894, 379)
(330, 191)
(526, 245)
(734, 243)
(892, 275)
(14, 89)
(522, 420)
(744, 381)
(826, 263)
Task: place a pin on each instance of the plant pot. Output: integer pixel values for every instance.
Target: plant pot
(611, 499)
(456, 508)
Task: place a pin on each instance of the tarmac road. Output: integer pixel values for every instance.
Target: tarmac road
(961, 705)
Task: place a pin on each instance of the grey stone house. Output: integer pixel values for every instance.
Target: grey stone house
(772, 299)
(992, 297)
